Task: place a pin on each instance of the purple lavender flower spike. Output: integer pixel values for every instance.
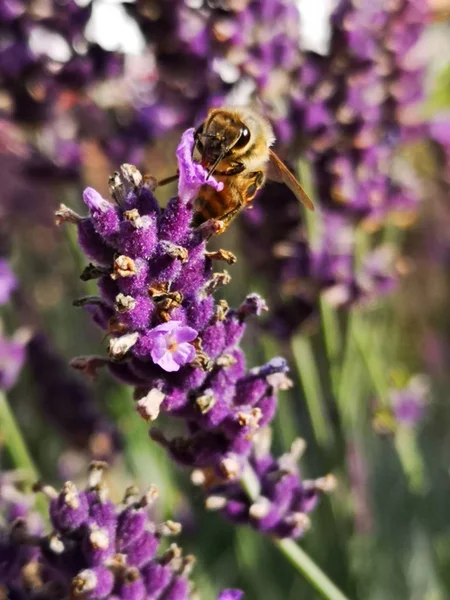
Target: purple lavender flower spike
(8, 281)
(179, 345)
(170, 345)
(192, 174)
(96, 550)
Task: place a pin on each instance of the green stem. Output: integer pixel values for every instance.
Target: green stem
(333, 340)
(369, 351)
(292, 551)
(13, 440)
(347, 398)
(411, 459)
(308, 568)
(310, 380)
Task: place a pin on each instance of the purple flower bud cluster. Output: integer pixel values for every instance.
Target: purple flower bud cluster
(46, 67)
(44, 53)
(359, 103)
(66, 401)
(304, 270)
(169, 337)
(347, 110)
(283, 502)
(409, 404)
(217, 53)
(96, 549)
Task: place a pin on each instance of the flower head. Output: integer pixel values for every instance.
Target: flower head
(170, 337)
(95, 549)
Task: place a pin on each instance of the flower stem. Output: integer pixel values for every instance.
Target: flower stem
(312, 388)
(308, 568)
(333, 341)
(13, 440)
(292, 551)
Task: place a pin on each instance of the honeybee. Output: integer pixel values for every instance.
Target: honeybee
(234, 144)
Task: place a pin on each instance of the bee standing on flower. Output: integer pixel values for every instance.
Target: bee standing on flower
(234, 145)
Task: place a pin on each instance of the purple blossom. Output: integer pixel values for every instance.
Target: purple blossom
(8, 281)
(95, 549)
(409, 404)
(170, 345)
(171, 338)
(192, 174)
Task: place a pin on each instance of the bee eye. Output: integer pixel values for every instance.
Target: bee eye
(244, 138)
(197, 134)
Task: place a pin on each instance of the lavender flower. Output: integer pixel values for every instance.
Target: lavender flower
(346, 111)
(96, 549)
(359, 102)
(170, 347)
(31, 75)
(156, 301)
(301, 272)
(409, 404)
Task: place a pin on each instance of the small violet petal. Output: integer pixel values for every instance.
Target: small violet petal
(192, 175)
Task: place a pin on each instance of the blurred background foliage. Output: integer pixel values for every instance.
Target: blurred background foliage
(133, 79)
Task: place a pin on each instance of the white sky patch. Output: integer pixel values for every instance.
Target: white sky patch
(48, 43)
(113, 29)
(315, 26)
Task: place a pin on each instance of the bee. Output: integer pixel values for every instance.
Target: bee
(234, 144)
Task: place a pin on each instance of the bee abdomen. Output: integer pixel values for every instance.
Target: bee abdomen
(210, 204)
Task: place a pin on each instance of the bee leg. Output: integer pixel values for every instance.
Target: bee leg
(229, 216)
(167, 180)
(256, 181)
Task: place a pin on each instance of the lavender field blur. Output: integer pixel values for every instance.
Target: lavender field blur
(261, 414)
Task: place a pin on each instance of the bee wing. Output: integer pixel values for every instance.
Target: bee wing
(277, 171)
